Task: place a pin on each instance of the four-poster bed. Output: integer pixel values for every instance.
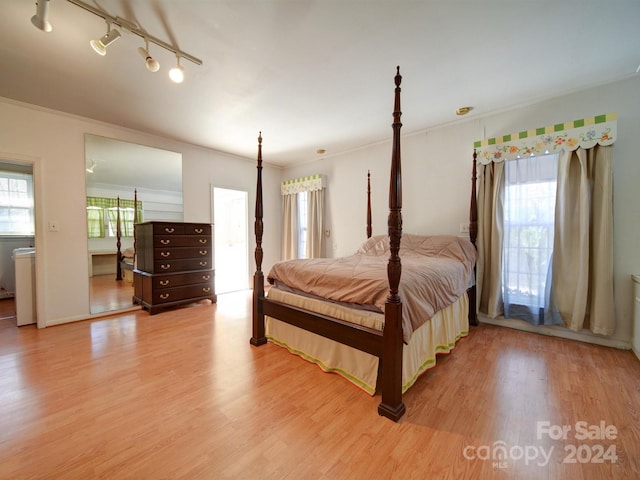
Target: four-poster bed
(366, 336)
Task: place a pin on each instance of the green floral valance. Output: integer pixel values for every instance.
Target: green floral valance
(586, 133)
(303, 184)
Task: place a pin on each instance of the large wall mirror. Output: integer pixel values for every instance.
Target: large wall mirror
(117, 173)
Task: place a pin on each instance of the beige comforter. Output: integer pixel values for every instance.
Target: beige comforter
(436, 271)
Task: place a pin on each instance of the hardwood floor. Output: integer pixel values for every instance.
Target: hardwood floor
(183, 395)
(107, 294)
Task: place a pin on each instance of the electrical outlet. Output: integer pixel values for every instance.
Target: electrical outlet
(464, 228)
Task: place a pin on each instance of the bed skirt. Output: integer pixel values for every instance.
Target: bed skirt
(438, 335)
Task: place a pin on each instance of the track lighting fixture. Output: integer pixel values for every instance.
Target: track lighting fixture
(41, 18)
(151, 63)
(176, 74)
(100, 45)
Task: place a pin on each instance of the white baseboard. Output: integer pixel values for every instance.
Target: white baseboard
(556, 331)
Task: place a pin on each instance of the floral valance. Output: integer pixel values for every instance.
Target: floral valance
(586, 133)
(303, 184)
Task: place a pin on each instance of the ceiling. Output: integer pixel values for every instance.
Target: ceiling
(313, 74)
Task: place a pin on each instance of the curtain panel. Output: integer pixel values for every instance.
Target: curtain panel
(581, 289)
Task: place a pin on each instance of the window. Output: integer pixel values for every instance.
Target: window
(16, 204)
(102, 214)
(303, 217)
(302, 224)
(529, 210)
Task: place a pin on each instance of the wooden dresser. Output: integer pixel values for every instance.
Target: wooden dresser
(174, 264)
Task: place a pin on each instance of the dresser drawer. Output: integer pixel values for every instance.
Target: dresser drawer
(168, 266)
(171, 253)
(197, 229)
(164, 295)
(181, 279)
(162, 241)
(160, 228)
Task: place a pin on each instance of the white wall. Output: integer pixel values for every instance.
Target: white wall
(53, 143)
(436, 169)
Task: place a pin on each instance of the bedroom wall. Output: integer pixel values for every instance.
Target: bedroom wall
(54, 143)
(436, 169)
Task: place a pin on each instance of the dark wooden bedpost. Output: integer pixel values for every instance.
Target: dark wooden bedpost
(473, 235)
(368, 204)
(135, 221)
(258, 335)
(118, 242)
(391, 405)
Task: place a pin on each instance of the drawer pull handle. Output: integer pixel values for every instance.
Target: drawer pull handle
(164, 283)
(206, 289)
(203, 252)
(165, 266)
(203, 264)
(199, 230)
(169, 229)
(203, 241)
(165, 254)
(164, 296)
(164, 241)
(206, 277)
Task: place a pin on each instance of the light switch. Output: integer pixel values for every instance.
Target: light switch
(54, 226)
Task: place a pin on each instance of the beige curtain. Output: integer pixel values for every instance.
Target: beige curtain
(315, 219)
(289, 226)
(582, 286)
(490, 234)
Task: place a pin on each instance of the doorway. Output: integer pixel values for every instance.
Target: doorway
(230, 220)
(17, 242)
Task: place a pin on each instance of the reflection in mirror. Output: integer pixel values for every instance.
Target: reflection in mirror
(121, 172)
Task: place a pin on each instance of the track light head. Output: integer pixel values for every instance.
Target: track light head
(151, 63)
(176, 74)
(100, 45)
(40, 19)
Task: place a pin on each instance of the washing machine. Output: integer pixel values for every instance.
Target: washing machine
(24, 260)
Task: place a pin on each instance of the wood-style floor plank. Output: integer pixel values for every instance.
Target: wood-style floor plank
(183, 395)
